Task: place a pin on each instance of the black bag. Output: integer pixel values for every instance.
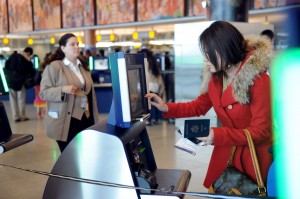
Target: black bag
(235, 182)
(29, 82)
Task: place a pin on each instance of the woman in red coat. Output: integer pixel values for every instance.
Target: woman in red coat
(236, 85)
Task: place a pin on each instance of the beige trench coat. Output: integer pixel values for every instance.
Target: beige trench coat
(55, 76)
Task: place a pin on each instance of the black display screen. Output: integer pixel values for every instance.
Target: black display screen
(135, 92)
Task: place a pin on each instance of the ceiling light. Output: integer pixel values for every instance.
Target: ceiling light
(151, 34)
(5, 41)
(104, 44)
(79, 39)
(112, 37)
(127, 43)
(52, 40)
(30, 41)
(98, 37)
(135, 35)
(5, 49)
(162, 42)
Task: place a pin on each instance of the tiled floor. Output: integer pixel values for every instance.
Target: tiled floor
(42, 152)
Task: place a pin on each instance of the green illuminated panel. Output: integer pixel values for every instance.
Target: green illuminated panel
(91, 62)
(36, 62)
(285, 76)
(4, 82)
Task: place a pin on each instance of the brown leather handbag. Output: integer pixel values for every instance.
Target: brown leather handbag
(235, 182)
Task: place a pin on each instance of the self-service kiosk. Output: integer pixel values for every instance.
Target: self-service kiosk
(117, 152)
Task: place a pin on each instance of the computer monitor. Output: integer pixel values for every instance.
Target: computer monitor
(129, 88)
(100, 64)
(136, 94)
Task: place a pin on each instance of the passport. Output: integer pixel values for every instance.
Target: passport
(196, 128)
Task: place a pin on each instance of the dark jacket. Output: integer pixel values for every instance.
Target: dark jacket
(17, 68)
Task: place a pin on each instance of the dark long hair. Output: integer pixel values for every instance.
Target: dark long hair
(153, 64)
(46, 60)
(60, 55)
(224, 40)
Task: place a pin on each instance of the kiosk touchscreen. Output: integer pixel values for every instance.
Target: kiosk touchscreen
(129, 88)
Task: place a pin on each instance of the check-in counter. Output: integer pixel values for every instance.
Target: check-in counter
(103, 93)
(104, 96)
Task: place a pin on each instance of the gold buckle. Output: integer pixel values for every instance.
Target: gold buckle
(262, 191)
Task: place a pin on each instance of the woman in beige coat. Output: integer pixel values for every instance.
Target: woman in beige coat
(67, 87)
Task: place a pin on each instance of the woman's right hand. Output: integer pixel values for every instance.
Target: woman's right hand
(69, 89)
(156, 101)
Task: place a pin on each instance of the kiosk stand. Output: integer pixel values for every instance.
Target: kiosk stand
(108, 153)
(119, 150)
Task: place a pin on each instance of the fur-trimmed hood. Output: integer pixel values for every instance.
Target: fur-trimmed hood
(258, 62)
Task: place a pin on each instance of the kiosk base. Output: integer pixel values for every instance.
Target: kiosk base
(107, 153)
(172, 180)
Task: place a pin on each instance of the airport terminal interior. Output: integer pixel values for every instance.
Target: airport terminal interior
(129, 33)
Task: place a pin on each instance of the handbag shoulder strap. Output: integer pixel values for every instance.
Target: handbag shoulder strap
(260, 182)
(231, 155)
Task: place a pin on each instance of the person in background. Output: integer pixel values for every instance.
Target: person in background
(88, 53)
(81, 55)
(67, 87)
(102, 54)
(17, 68)
(168, 64)
(269, 34)
(156, 84)
(236, 86)
(169, 78)
(38, 102)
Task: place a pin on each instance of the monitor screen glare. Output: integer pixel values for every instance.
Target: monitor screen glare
(101, 64)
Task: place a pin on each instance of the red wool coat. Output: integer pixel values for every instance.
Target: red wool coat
(244, 104)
